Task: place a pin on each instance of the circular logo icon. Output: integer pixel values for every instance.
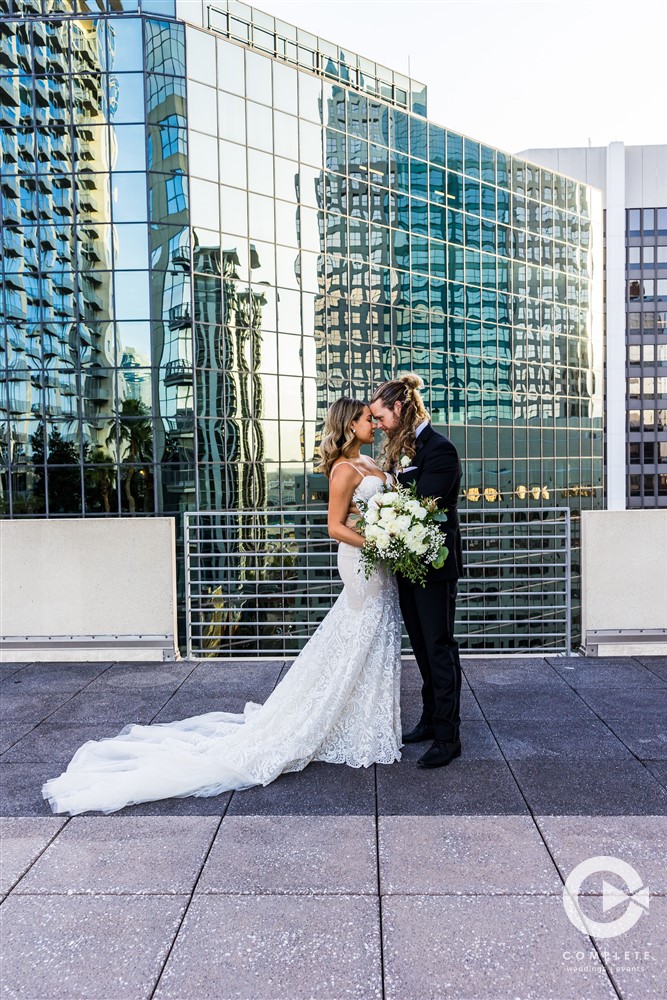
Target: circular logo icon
(635, 896)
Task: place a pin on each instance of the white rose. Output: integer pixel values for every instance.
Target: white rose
(403, 522)
(383, 541)
(416, 509)
(416, 545)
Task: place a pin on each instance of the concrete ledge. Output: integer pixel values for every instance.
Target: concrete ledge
(77, 588)
(624, 582)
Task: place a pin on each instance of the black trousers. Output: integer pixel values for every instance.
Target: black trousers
(428, 613)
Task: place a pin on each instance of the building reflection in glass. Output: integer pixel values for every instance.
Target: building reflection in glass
(206, 241)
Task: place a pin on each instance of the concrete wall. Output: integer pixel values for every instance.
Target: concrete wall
(624, 582)
(88, 588)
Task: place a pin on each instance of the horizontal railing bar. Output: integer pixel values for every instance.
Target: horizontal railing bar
(262, 581)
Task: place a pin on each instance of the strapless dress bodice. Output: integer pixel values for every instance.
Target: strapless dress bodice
(369, 486)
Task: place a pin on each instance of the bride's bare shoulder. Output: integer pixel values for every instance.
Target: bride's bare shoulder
(344, 471)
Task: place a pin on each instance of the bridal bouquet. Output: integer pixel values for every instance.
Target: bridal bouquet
(401, 532)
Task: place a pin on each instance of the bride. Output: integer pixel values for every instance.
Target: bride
(339, 701)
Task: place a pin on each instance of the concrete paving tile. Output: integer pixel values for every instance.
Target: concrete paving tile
(9, 667)
(270, 947)
(605, 673)
(218, 690)
(638, 959)
(295, 855)
(12, 732)
(657, 664)
(509, 672)
(28, 706)
(411, 680)
(525, 739)
(132, 676)
(21, 788)
(39, 678)
(477, 741)
(658, 768)
(639, 840)
(92, 947)
(321, 789)
(48, 666)
(467, 855)
(484, 948)
(234, 670)
(529, 701)
(119, 706)
(464, 787)
(411, 707)
(254, 682)
(114, 855)
(646, 739)
(190, 805)
(632, 703)
(57, 742)
(561, 663)
(185, 704)
(23, 839)
(284, 668)
(598, 788)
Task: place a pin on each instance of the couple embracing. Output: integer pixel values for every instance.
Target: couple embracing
(340, 700)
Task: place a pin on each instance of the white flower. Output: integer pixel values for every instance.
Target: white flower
(387, 514)
(403, 522)
(404, 461)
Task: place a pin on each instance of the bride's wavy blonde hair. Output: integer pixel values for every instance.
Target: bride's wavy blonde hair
(338, 434)
(403, 390)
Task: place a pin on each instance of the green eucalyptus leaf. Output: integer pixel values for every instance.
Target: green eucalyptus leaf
(441, 557)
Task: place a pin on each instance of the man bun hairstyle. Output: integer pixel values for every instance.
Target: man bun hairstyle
(403, 390)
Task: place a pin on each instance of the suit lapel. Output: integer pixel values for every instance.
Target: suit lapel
(422, 447)
(420, 443)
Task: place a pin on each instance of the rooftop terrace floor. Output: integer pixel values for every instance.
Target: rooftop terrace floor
(335, 882)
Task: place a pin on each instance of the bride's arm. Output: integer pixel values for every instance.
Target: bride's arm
(341, 487)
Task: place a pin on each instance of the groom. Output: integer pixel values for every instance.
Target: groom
(421, 455)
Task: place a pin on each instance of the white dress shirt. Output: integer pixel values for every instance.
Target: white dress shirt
(420, 427)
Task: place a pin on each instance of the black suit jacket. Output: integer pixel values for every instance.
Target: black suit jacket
(437, 473)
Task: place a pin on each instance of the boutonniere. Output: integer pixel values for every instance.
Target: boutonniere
(404, 461)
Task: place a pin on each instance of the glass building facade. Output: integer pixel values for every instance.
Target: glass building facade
(646, 324)
(209, 234)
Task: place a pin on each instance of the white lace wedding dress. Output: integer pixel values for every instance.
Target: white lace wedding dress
(339, 702)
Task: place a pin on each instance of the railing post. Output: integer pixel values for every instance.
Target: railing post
(568, 582)
(188, 590)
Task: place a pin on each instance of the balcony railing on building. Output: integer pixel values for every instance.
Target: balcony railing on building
(258, 583)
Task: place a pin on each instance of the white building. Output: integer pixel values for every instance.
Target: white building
(634, 184)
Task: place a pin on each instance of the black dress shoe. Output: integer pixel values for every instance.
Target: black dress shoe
(439, 754)
(419, 734)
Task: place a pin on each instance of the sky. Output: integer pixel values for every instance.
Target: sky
(517, 74)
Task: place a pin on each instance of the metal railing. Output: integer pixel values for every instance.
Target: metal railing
(258, 583)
